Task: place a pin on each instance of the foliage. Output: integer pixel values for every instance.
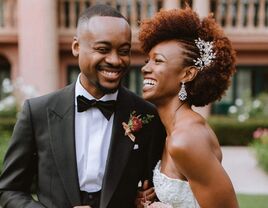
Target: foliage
(260, 145)
(261, 151)
(246, 107)
(8, 106)
(8, 113)
(7, 124)
(12, 96)
(4, 140)
(231, 132)
(252, 201)
(239, 128)
(245, 116)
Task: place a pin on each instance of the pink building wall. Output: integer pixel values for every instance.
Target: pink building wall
(39, 50)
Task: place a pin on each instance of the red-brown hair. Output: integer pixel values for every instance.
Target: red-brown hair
(185, 26)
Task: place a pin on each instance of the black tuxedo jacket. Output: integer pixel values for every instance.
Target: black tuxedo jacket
(43, 147)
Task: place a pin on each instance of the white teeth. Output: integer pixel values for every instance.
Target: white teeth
(110, 73)
(149, 82)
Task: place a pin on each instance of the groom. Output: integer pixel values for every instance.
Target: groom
(77, 149)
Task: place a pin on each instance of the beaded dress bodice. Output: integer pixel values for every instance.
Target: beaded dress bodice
(171, 191)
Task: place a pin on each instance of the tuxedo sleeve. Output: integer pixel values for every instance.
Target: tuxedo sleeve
(20, 165)
(155, 148)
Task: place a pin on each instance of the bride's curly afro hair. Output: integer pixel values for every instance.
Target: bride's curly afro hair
(185, 26)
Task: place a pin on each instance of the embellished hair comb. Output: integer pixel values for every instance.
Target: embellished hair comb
(206, 53)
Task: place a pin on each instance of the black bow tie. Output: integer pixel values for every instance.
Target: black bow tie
(106, 107)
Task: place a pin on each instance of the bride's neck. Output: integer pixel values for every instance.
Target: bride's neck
(167, 112)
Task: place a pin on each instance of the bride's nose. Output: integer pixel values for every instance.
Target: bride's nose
(146, 68)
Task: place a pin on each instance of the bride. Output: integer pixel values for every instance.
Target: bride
(190, 62)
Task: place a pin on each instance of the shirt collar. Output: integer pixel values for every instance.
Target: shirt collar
(80, 90)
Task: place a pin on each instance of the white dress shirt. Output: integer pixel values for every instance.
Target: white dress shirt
(92, 138)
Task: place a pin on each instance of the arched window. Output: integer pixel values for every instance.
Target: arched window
(4, 73)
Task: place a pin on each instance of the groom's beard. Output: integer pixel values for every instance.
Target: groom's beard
(106, 90)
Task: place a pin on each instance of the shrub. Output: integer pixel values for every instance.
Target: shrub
(246, 107)
(6, 128)
(261, 151)
(260, 145)
(231, 132)
(4, 140)
(7, 124)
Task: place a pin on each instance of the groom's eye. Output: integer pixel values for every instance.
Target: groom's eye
(102, 50)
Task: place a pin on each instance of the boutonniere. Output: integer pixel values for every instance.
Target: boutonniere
(135, 123)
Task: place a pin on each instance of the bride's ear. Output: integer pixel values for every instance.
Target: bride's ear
(190, 73)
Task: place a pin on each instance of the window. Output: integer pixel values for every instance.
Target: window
(133, 80)
(72, 73)
(4, 73)
(248, 81)
(222, 106)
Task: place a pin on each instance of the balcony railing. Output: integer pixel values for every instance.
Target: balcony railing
(237, 17)
(241, 16)
(134, 10)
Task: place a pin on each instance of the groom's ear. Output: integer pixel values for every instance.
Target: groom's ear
(75, 47)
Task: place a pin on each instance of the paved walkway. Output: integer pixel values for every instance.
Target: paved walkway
(242, 167)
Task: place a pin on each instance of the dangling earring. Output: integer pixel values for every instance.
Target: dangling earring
(182, 93)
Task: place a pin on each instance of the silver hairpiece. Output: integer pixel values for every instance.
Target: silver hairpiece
(206, 53)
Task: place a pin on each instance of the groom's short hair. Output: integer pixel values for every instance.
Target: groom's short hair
(99, 10)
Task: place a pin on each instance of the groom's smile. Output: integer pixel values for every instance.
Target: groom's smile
(103, 57)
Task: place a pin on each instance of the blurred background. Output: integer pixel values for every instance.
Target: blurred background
(36, 58)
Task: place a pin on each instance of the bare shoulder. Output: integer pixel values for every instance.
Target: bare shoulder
(193, 142)
(190, 132)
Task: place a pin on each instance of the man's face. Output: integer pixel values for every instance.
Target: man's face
(103, 49)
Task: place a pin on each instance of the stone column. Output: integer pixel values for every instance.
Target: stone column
(38, 44)
(201, 7)
(171, 4)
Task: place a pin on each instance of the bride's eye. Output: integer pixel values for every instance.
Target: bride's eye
(158, 61)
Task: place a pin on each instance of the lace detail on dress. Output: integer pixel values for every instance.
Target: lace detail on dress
(171, 191)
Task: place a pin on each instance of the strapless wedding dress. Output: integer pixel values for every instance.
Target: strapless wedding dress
(174, 192)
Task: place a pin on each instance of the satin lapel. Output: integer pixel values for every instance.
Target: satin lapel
(120, 147)
(61, 126)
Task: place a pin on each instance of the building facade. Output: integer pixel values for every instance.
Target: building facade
(36, 37)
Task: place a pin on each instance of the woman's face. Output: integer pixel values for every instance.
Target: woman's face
(163, 71)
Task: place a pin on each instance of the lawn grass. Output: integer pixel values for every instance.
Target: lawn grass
(252, 201)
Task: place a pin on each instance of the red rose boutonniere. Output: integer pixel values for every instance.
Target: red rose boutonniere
(135, 123)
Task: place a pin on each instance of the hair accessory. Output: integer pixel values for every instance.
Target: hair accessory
(206, 53)
(182, 93)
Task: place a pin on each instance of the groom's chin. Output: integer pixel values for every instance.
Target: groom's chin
(106, 90)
